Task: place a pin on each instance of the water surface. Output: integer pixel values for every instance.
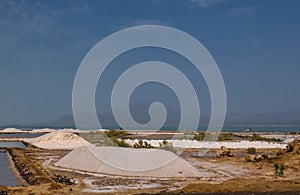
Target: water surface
(7, 177)
(11, 145)
(21, 135)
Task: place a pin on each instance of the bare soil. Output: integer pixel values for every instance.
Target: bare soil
(220, 175)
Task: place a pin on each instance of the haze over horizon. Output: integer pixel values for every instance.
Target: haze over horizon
(256, 45)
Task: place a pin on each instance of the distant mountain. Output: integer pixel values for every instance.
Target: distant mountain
(107, 119)
(291, 118)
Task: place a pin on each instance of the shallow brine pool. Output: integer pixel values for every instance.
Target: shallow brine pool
(7, 178)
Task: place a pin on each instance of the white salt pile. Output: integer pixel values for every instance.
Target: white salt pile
(11, 130)
(128, 162)
(45, 130)
(213, 144)
(58, 140)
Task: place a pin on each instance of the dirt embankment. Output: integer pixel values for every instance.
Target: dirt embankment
(245, 185)
(41, 181)
(31, 170)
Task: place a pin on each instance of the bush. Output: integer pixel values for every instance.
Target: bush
(225, 136)
(120, 143)
(257, 137)
(199, 136)
(251, 150)
(116, 133)
(279, 169)
(109, 138)
(203, 135)
(114, 142)
(165, 145)
(142, 144)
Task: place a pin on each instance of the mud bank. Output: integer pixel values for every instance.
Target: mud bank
(33, 176)
(30, 169)
(14, 170)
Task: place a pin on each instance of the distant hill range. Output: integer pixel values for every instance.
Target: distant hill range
(291, 118)
(140, 114)
(107, 119)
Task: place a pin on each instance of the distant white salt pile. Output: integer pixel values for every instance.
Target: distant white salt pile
(128, 162)
(11, 130)
(45, 130)
(213, 144)
(73, 130)
(65, 129)
(58, 140)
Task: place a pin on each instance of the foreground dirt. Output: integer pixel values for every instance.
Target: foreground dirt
(245, 185)
(252, 177)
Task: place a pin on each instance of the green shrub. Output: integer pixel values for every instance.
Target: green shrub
(116, 133)
(257, 137)
(142, 144)
(165, 145)
(207, 136)
(199, 136)
(109, 138)
(120, 143)
(279, 169)
(226, 136)
(251, 150)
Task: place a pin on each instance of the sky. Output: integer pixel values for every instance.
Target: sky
(255, 43)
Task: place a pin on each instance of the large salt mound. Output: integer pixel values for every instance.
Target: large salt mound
(58, 140)
(128, 162)
(11, 130)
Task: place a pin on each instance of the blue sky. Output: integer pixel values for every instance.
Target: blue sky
(255, 43)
